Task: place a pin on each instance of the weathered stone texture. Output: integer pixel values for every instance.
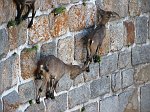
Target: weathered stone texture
(36, 108)
(100, 87)
(58, 24)
(9, 70)
(28, 63)
(64, 84)
(66, 49)
(134, 9)
(63, 1)
(92, 107)
(11, 102)
(140, 54)
(78, 96)
(48, 49)
(26, 92)
(81, 16)
(141, 30)
(78, 80)
(116, 81)
(108, 64)
(145, 5)
(145, 98)
(46, 4)
(40, 30)
(1, 107)
(57, 105)
(74, 1)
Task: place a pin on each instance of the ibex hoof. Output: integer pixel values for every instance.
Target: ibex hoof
(87, 69)
(52, 96)
(48, 94)
(38, 101)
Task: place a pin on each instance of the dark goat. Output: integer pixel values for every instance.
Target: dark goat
(50, 69)
(20, 4)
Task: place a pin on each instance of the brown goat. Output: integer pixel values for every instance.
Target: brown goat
(20, 4)
(51, 69)
(96, 37)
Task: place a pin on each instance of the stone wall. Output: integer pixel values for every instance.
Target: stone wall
(119, 83)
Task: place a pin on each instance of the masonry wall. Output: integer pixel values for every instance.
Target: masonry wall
(119, 83)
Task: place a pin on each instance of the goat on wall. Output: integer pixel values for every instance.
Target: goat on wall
(20, 4)
(50, 70)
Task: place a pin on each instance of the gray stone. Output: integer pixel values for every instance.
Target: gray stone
(92, 107)
(141, 30)
(94, 72)
(145, 5)
(9, 69)
(78, 80)
(124, 59)
(109, 104)
(36, 108)
(59, 104)
(4, 45)
(78, 96)
(1, 106)
(127, 78)
(100, 87)
(64, 84)
(116, 81)
(48, 49)
(26, 92)
(140, 54)
(74, 1)
(108, 64)
(145, 98)
(11, 102)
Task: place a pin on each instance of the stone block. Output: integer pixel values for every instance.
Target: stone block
(57, 105)
(26, 92)
(94, 72)
(74, 1)
(130, 30)
(141, 30)
(48, 49)
(78, 80)
(116, 81)
(145, 6)
(58, 24)
(46, 4)
(92, 107)
(11, 102)
(109, 104)
(140, 54)
(108, 64)
(66, 49)
(63, 1)
(100, 87)
(81, 16)
(127, 77)
(40, 31)
(1, 106)
(145, 98)
(28, 63)
(64, 84)
(36, 108)
(134, 9)
(9, 69)
(124, 59)
(78, 96)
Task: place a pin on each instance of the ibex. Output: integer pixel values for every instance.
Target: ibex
(20, 4)
(96, 37)
(50, 69)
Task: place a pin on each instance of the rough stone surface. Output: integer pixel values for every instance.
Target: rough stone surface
(145, 98)
(46, 4)
(48, 49)
(40, 30)
(57, 105)
(141, 30)
(1, 107)
(94, 72)
(78, 80)
(36, 108)
(124, 59)
(78, 96)
(109, 104)
(127, 77)
(63, 1)
(64, 84)
(28, 63)
(108, 64)
(116, 82)
(134, 9)
(58, 24)
(26, 92)
(140, 54)
(145, 6)
(4, 44)
(130, 30)
(92, 107)
(9, 70)
(81, 16)
(11, 102)
(74, 1)
(100, 87)
(66, 49)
